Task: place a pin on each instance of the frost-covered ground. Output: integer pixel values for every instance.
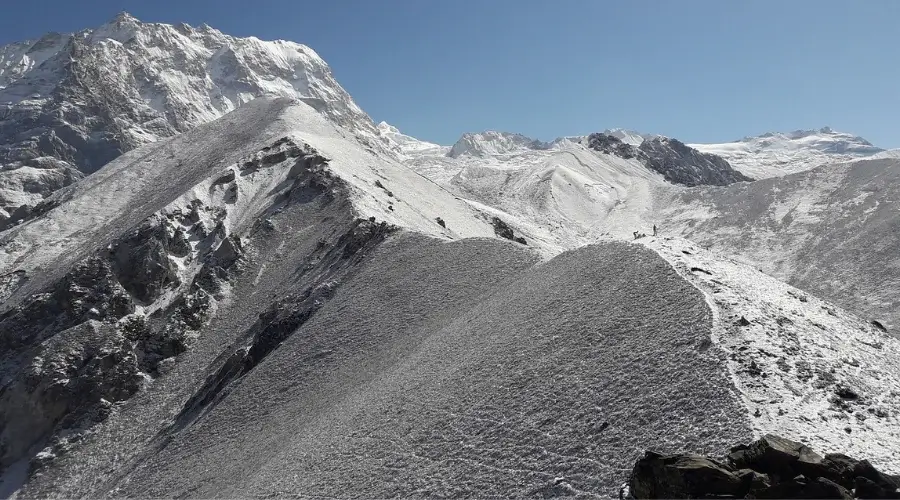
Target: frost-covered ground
(464, 368)
(804, 368)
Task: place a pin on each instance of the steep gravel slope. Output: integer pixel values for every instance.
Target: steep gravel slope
(454, 369)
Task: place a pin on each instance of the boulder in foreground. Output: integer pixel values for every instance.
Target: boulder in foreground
(771, 467)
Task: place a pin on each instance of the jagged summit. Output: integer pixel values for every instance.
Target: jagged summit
(85, 98)
(124, 17)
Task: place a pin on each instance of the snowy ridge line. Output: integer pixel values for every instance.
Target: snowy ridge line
(802, 368)
(775, 154)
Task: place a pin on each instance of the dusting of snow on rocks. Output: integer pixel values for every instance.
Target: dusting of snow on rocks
(804, 368)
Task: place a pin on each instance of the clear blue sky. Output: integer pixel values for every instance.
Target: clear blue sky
(697, 70)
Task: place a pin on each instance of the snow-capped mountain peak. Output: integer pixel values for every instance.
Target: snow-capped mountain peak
(85, 98)
(494, 143)
(825, 140)
(778, 153)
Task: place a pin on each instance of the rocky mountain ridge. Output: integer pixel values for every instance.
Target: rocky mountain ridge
(290, 300)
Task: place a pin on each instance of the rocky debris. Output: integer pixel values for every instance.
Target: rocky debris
(681, 476)
(440, 222)
(771, 467)
(74, 349)
(681, 164)
(361, 237)
(10, 282)
(503, 230)
(279, 152)
(275, 325)
(226, 177)
(89, 288)
(228, 252)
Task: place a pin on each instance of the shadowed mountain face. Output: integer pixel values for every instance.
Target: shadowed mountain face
(831, 230)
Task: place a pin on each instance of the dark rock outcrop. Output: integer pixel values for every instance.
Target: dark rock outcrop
(681, 164)
(771, 467)
(503, 230)
(282, 318)
(677, 162)
(141, 260)
(612, 145)
(681, 476)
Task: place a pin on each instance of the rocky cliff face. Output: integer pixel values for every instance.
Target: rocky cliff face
(677, 162)
(71, 103)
